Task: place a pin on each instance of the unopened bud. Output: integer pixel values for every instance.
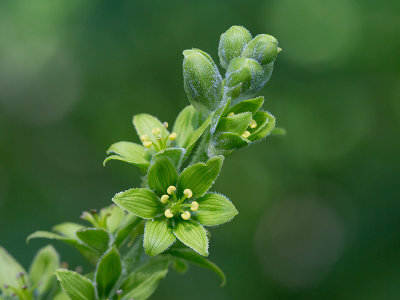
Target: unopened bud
(232, 43)
(263, 48)
(202, 80)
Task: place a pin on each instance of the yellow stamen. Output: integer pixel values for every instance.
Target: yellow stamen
(164, 199)
(194, 206)
(172, 136)
(147, 144)
(188, 193)
(171, 189)
(231, 114)
(144, 137)
(156, 131)
(253, 124)
(168, 213)
(246, 134)
(185, 215)
(165, 124)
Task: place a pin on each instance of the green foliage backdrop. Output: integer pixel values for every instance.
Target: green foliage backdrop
(319, 212)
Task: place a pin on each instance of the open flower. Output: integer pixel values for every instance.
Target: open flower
(178, 206)
(156, 138)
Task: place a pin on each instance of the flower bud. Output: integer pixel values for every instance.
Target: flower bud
(202, 81)
(263, 48)
(231, 44)
(242, 77)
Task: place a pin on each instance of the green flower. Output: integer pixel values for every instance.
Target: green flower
(158, 141)
(178, 206)
(240, 125)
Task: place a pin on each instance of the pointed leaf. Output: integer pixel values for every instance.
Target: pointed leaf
(185, 124)
(265, 122)
(107, 272)
(161, 175)
(43, 268)
(142, 283)
(129, 152)
(140, 202)
(235, 124)
(76, 286)
(215, 209)
(158, 236)
(250, 105)
(144, 124)
(68, 229)
(192, 235)
(97, 238)
(200, 177)
(175, 155)
(199, 260)
(9, 269)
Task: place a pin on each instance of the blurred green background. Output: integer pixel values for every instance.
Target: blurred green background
(319, 209)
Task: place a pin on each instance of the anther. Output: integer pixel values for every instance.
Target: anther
(188, 193)
(147, 144)
(165, 124)
(173, 136)
(156, 131)
(246, 134)
(231, 114)
(164, 199)
(253, 124)
(185, 215)
(171, 189)
(144, 137)
(119, 292)
(168, 213)
(194, 206)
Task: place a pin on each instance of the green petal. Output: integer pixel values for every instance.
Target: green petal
(192, 235)
(215, 209)
(76, 286)
(9, 269)
(185, 124)
(144, 124)
(97, 238)
(129, 152)
(68, 229)
(250, 105)
(200, 177)
(140, 202)
(161, 175)
(43, 267)
(229, 141)
(265, 122)
(235, 124)
(158, 236)
(107, 272)
(175, 155)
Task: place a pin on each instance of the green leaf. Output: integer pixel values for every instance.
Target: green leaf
(196, 135)
(68, 229)
(43, 268)
(75, 285)
(158, 236)
(61, 296)
(250, 105)
(229, 141)
(144, 124)
(175, 155)
(107, 272)
(161, 175)
(97, 238)
(200, 177)
(126, 228)
(140, 202)
(265, 122)
(199, 260)
(142, 283)
(185, 124)
(9, 269)
(132, 258)
(235, 124)
(215, 209)
(192, 235)
(129, 152)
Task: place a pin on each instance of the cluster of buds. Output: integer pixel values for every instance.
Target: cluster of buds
(178, 206)
(248, 63)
